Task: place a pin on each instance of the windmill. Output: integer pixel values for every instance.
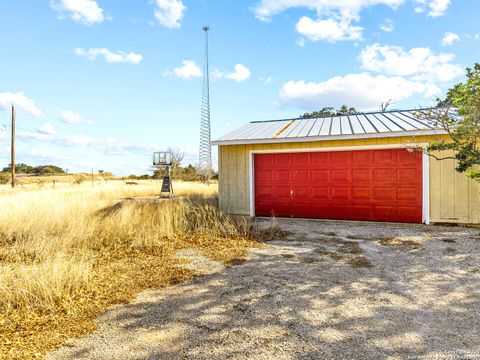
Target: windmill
(205, 159)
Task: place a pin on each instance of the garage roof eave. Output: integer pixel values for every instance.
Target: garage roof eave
(330, 137)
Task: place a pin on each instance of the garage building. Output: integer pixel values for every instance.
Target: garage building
(355, 167)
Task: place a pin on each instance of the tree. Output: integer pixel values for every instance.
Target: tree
(176, 158)
(48, 169)
(385, 105)
(345, 110)
(34, 170)
(330, 111)
(20, 169)
(459, 115)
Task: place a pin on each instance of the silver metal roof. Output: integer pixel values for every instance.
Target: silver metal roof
(361, 125)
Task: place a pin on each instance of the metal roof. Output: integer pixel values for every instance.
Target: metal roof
(361, 125)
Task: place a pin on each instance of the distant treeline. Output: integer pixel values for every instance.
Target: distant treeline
(35, 170)
(178, 172)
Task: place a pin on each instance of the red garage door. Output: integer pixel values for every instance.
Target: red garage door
(376, 185)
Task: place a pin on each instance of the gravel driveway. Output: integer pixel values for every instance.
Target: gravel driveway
(341, 290)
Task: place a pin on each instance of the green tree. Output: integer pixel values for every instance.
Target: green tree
(345, 110)
(330, 111)
(48, 170)
(459, 115)
(34, 170)
(20, 169)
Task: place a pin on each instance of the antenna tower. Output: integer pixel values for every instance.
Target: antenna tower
(205, 161)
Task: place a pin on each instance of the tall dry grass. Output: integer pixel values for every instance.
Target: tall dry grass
(66, 254)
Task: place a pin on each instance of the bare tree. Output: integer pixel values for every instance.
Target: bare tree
(176, 156)
(385, 105)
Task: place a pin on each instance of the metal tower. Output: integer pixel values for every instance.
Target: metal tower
(205, 161)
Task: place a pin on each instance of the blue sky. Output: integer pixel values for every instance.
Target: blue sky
(103, 83)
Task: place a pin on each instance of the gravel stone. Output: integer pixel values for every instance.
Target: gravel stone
(310, 296)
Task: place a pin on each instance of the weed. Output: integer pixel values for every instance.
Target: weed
(68, 253)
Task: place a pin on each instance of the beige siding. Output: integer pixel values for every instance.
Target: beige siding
(453, 196)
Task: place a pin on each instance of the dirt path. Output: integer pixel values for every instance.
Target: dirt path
(331, 290)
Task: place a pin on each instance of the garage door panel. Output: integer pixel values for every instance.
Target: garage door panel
(404, 175)
(384, 157)
(319, 159)
(265, 178)
(361, 212)
(280, 176)
(406, 211)
(301, 193)
(382, 194)
(361, 175)
(409, 157)
(264, 192)
(300, 159)
(340, 193)
(384, 212)
(265, 161)
(385, 175)
(361, 159)
(319, 176)
(407, 194)
(340, 158)
(341, 211)
(300, 175)
(376, 185)
(362, 193)
(282, 193)
(319, 193)
(340, 176)
(283, 161)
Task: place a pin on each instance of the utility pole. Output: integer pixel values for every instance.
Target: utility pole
(13, 147)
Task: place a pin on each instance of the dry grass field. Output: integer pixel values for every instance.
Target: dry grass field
(67, 253)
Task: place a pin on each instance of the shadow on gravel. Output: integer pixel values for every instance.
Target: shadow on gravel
(295, 300)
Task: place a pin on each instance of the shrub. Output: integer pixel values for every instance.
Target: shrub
(4, 178)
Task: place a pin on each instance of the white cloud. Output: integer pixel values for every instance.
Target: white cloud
(63, 140)
(387, 25)
(266, 80)
(72, 118)
(170, 12)
(109, 146)
(75, 140)
(188, 70)
(109, 56)
(47, 129)
(449, 38)
(240, 74)
(402, 74)
(83, 11)
(330, 30)
(334, 20)
(217, 73)
(363, 91)
(435, 7)
(268, 8)
(300, 42)
(419, 63)
(21, 102)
